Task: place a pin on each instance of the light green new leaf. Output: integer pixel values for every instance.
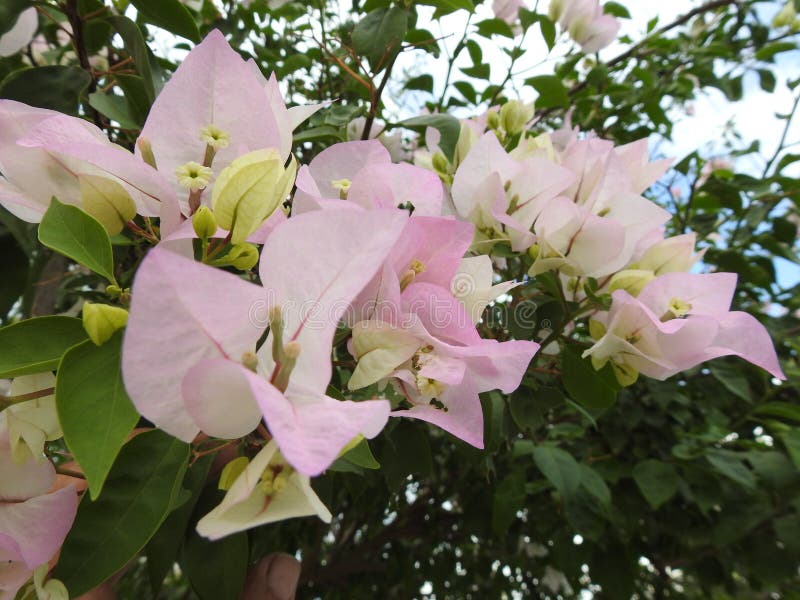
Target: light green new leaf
(36, 345)
(658, 481)
(139, 493)
(559, 467)
(71, 232)
(93, 407)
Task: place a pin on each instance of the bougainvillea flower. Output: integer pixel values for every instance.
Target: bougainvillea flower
(507, 10)
(21, 34)
(204, 102)
(32, 423)
(268, 490)
(678, 321)
(44, 154)
(503, 196)
(33, 522)
(70, 141)
(473, 285)
(430, 250)
(312, 267)
(578, 243)
(586, 22)
(438, 361)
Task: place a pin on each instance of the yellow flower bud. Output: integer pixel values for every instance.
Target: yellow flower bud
(440, 163)
(204, 223)
(107, 201)
(786, 16)
(146, 151)
(492, 120)
(533, 251)
(514, 115)
(242, 256)
(231, 472)
(631, 280)
(249, 190)
(101, 321)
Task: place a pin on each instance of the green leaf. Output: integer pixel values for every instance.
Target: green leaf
(163, 548)
(93, 407)
(14, 266)
(55, 87)
(593, 483)
(657, 481)
(732, 466)
(36, 345)
(423, 39)
(216, 570)
(378, 35)
(114, 107)
(448, 126)
(768, 52)
(552, 93)
(767, 80)
(616, 9)
(406, 450)
(596, 390)
(137, 49)
(559, 467)
(139, 492)
(730, 375)
(170, 15)
(791, 440)
(509, 498)
(548, 28)
(489, 27)
(9, 13)
(71, 232)
(361, 455)
(780, 410)
(445, 7)
(423, 83)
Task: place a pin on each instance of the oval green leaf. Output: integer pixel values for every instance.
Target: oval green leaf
(71, 232)
(138, 495)
(95, 412)
(36, 345)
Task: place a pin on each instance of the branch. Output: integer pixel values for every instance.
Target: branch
(633, 50)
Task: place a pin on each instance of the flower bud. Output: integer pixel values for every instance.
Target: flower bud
(492, 120)
(146, 151)
(249, 190)
(107, 201)
(631, 280)
(556, 9)
(242, 256)
(204, 223)
(231, 471)
(440, 163)
(514, 115)
(786, 16)
(101, 321)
